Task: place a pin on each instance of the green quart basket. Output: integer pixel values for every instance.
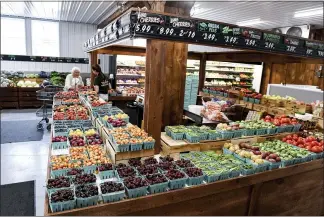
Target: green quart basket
(85, 202)
(113, 197)
(63, 206)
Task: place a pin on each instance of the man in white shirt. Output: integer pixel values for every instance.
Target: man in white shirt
(73, 80)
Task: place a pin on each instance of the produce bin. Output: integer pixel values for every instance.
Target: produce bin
(251, 100)
(63, 206)
(158, 188)
(248, 132)
(113, 197)
(148, 145)
(260, 131)
(85, 202)
(192, 139)
(296, 127)
(177, 136)
(137, 192)
(178, 183)
(107, 174)
(195, 180)
(136, 147)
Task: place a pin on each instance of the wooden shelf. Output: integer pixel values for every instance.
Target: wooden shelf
(121, 98)
(227, 71)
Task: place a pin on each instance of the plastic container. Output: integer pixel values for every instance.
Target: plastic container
(227, 151)
(63, 206)
(195, 180)
(57, 173)
(59, 145)
(90, 169)
(237, 133)
(137, 192)
(251, 100)
(177, 136)
(113, 197)
(158, 188)
(271, 130)
(192, 139)
(136, 147)
(260, 131)
(178, 183)
(296, 127)
(107, 174)
(85, 202)
(248, 132)
(148, 145)
(227, 134)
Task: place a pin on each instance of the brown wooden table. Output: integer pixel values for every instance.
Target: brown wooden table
(293, 190)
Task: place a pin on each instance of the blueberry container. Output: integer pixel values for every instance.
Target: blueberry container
(113, 197)
(63, 206)
(148, 145)
(177, 136)
(107, 174)
(227, 134)
(158, 188)
(136, 192)
(85, 202)
(192, 139)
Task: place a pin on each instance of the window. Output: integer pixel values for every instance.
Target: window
(13, 36)
(45, 38)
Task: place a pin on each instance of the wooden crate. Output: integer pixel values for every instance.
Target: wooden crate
(170, 146)
(276, 111)
(301, 109)
(275, 103)
(260, 108)
(9, 97)
(290, 104)
(27, 97)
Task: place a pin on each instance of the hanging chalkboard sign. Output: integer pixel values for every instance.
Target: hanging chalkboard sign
(44, 59)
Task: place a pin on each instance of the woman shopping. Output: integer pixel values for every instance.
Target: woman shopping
(73, 80)
(101, 83)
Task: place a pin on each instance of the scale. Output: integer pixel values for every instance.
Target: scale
(140, 100)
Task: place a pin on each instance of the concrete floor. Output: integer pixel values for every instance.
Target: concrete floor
(26, 161)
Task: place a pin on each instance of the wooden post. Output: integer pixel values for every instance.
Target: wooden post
(202, 71)
(93, 60)
(165, 77)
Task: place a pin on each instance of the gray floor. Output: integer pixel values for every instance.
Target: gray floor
(25, 161)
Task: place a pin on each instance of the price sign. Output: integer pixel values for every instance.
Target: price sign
(187, 34)
(209, 36)
(309, 52)
(143, 28)
(68, 60)
(291, 48)
(165, 30)
(231, 39)
(251, 42)
(177, 22)
(271, 41)
(269, 45)
(145, 18)
(209, 27)
(320, 53)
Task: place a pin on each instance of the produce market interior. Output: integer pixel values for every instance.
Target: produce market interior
(162, 108)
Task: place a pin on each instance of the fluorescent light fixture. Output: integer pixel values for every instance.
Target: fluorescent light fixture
(309, 13)
(250, 22)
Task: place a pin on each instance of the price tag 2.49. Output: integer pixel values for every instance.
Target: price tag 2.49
(230, 39)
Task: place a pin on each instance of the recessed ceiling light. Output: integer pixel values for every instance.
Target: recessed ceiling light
(250, 22)
(308, 13)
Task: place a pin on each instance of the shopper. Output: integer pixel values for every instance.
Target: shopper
(73, 80)
(101, 83)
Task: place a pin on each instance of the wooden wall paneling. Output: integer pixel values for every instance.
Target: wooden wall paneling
(202, 71)
(278, 73)
(266, 77)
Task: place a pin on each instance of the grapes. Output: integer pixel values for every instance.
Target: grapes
(109, 187)
(105, 167)
(86, 191)
(135, 162)
(174, 174)
(126, 172)
(120, 165)
(184, 163)
(59, 182)
(135, 182)
(62, 195)
(166, 165)
(166, 159)
(155, 178)
(84, 179)
(150, 160)
(74, 172)
(147, 169)
(193, 172)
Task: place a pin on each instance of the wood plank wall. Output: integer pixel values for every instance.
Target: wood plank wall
(291, 73)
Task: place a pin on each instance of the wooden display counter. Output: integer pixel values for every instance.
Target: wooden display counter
(121, 98)
(294, 190)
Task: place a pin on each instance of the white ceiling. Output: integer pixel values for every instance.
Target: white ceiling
(274, 14)
(92, 12)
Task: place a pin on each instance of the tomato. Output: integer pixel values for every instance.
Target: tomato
(295, 139)
(309, 148)
(294, 143)
(312, 138)
(284, 139)
(301, 146)
(314, 143)
(316, 149)
(295, 135)
(300, 139)
(289, 141)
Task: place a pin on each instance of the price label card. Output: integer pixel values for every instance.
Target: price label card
(271, 41)
(231, 39)
(320, 53)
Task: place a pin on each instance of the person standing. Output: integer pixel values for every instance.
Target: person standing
(101, 83)
(73, 80)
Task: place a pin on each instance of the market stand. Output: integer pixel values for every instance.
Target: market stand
(259, 194)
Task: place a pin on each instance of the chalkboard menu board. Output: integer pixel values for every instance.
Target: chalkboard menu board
(160, 26)
(44, 59)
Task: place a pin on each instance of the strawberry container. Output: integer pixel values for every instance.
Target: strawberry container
(248, 132)
(192, 138)
(136, 146)
(251, 100)
(177, 136)
(85, 202)
(148, 145)
(158, 188)
(271, 131)
(136, 192)
(260, 131)
(296, 127)
(107, 174)
(62, 206)
(114, 196)
(227, 134)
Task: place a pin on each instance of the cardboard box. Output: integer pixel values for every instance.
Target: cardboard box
(290, 112)
(260, 108)
(290, 104)
(301, 109)
(264, 101)
(275, 103)
(276, 111)
(248, 104)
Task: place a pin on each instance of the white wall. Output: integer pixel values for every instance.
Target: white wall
(72, 37)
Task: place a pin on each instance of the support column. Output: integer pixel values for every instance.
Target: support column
(93, 60)
(165, 77)
(202, 71)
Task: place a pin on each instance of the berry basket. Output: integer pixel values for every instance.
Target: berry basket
(89, 169)
(315, 156)
(227, 134)
(225, 175)
(247, 172)
(260, 131)
(136, 147)
(158, 188)
(136, 192)
(235, 173)
(245, 99)
(192, 139)
(286, 163)
(239, 157)
(59, 145)
(203, 136)
(148, 145)
(227, 151)
(212, 178)
(178, 183)
(107, 174)
(167, 131)
(52, 190)
(57, 173)
(248, 132)
(85, 202)
(275, 165)
(296, 127)
(63, 206)
(281, 129)
(213, 135)
(258, 167)
(113, 197)
(237, 133)
(195, 180)
(271, 130)
(225, 94)
(257, 101)
(123, 148)
(289, 128)
(251, 100)
(177, 136)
